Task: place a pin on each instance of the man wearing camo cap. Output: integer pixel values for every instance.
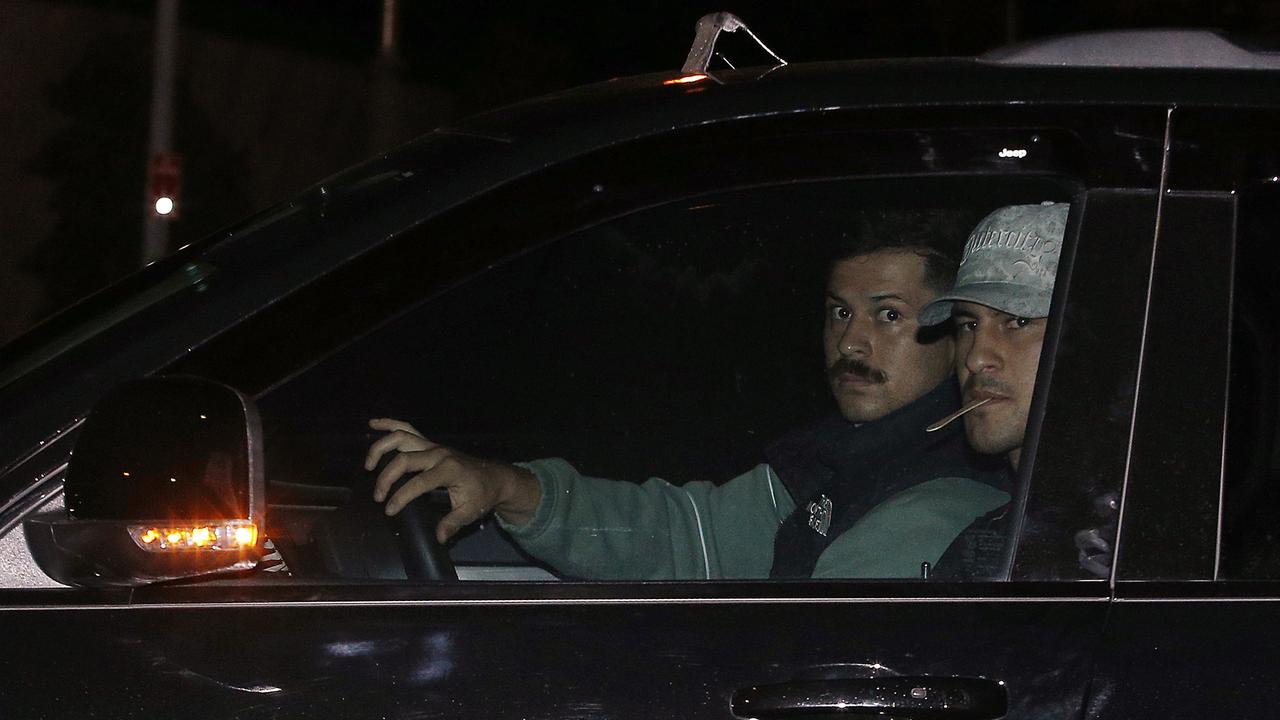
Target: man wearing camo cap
(1000, 304)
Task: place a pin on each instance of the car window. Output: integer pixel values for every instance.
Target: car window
(1251, 478)
(678, 346)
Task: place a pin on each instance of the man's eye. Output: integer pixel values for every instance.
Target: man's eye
(966, 325)
(841, 313)
(1021, 321)
(888, 315)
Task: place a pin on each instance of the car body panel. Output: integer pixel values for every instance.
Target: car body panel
(583, 658)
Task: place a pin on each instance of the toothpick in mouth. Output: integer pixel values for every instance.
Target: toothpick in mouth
(952, 417)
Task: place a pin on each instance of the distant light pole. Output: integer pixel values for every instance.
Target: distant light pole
(390, 30)
(163, 167)
(385, 125)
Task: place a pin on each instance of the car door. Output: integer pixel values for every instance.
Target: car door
(1195, 581)
(486, 323)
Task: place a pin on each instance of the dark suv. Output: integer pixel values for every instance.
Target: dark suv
(624, 276)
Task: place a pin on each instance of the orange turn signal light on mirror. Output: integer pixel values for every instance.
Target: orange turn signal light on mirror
(685, 79)
(222, 535)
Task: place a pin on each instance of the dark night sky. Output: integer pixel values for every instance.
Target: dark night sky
(276, 95)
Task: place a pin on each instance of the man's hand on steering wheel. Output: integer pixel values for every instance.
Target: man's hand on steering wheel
(476, 487)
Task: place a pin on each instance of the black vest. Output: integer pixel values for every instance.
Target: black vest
(850, 469)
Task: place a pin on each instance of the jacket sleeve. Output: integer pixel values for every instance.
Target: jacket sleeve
(601, 529)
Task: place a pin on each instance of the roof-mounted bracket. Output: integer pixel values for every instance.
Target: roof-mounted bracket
(704, 41)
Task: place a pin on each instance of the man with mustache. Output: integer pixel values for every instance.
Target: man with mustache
(866, 493)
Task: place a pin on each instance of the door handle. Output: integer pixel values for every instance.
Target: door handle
(922, 698)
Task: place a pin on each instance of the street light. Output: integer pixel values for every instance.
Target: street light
(164, 167)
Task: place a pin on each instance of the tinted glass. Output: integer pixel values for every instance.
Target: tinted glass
(1251, 510)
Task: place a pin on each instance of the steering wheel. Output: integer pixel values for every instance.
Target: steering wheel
(415, 530)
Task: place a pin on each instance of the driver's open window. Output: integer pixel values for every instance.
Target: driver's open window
(683, 342)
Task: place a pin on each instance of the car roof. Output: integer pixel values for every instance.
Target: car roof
(555, 127)
(643, 101)
(1145, 48)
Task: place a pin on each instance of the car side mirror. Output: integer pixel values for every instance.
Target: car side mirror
(165, 482)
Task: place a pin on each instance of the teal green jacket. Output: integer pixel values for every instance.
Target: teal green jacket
(609, 530)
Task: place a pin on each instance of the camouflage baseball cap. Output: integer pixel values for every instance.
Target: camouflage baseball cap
(1009, 263)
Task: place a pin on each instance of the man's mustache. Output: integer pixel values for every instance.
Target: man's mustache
(857, 367)
(987, 384)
